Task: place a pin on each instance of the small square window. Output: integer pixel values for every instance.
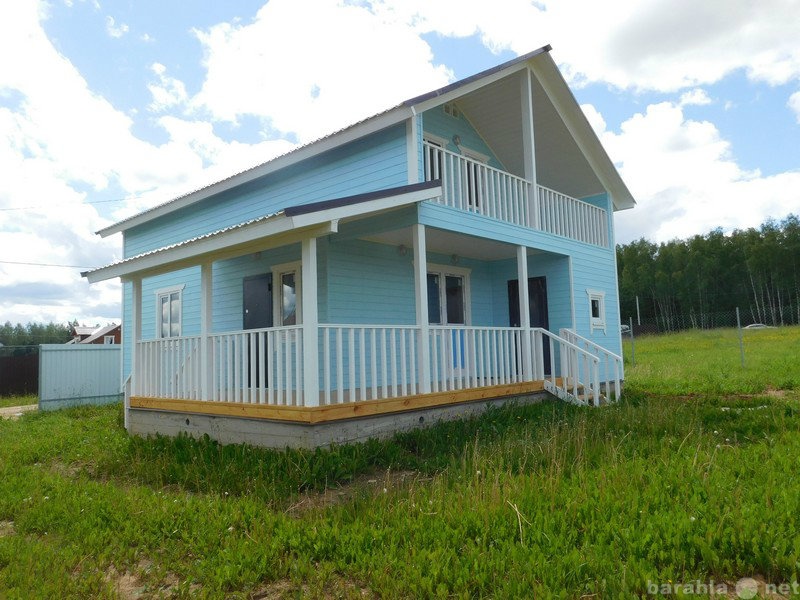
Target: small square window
(597, 309)
(451, 109)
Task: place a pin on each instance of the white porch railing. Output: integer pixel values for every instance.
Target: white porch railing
(473, 186)
(371, 362)
(562, 215)
(258, 366)
(368, 362)
(169, 368)
(612, 370)
(469, 357)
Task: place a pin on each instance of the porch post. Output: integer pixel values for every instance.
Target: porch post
(529, 148)
(310, 323)
(421, 297)
(206, 315)
(136, 334)
(524, 314)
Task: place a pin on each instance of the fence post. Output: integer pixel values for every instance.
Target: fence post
(633, 343)
(739, 328)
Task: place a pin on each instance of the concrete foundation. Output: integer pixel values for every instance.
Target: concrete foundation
(271, 433)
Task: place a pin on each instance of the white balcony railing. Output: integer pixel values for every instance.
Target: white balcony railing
(473, 186)
(371, 362)
(476, 187)
(562, 215)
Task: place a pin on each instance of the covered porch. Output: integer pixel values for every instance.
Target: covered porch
(306, 370)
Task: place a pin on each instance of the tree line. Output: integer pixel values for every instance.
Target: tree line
(756, 269)
(34, 334)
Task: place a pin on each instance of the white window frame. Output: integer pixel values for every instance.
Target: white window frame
(442, 271)
(600, 321)
(474, 155)
(277, 292)
(438, 140)
(108, 339)
(160, 293)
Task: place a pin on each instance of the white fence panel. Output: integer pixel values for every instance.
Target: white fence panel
(75, 374)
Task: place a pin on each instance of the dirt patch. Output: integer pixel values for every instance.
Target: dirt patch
(337, 587)
(127, 586)
(65, 470)
(133, 585)
(374, 484)
(758, 588)
(7, 529)
(15, 412)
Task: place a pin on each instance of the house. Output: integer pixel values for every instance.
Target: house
(370, 281)
(80, 333)
(108, 334)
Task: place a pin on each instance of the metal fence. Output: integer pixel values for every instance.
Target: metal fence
(74, 375)
(19, 370)
(790, 315)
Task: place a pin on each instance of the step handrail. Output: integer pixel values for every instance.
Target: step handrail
(613, 364)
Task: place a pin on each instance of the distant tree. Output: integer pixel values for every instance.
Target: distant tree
(757, 270)
(34, 334)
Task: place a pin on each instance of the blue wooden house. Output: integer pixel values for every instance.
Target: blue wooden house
(453, 251)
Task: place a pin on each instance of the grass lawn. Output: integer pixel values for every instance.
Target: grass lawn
(694, 476)
(18, 400)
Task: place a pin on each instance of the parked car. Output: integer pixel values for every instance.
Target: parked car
(624, 329)
(759, 326)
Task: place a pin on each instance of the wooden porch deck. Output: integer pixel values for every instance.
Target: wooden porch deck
(278, 426)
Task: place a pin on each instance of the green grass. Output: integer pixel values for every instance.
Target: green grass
(18, 400)
(695, 475)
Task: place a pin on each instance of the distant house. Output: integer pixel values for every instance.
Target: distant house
(108, 334)
(80, 333)
(455, 250)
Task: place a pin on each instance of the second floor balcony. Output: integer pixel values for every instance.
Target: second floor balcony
(473, 186)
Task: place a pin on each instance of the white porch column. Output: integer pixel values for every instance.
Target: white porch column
(524, 311)
(206, 317)
(136, 336)
(421, 297)
(529, 148)
(310, 323)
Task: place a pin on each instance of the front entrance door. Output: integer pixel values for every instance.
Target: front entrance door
(537, 308)
(257, 313)
(257, 302)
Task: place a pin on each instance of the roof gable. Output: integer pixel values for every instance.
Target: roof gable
(542, 66)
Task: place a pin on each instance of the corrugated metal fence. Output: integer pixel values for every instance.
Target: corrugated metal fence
(73, 375)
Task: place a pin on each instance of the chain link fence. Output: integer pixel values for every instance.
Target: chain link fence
(789, 315)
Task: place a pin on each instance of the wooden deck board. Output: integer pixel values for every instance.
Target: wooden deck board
(336, 412)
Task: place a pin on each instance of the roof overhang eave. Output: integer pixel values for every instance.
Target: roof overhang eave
(279, 230)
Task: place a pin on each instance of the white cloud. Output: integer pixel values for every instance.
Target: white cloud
(695, 97)
(652, 44)
(114, 30)
(168, 92)
(685, 179)
(57, 149)
(313, 67)
(794, 104)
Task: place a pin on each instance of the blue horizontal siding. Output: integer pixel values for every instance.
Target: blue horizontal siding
(373, 163)
(228, 277)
